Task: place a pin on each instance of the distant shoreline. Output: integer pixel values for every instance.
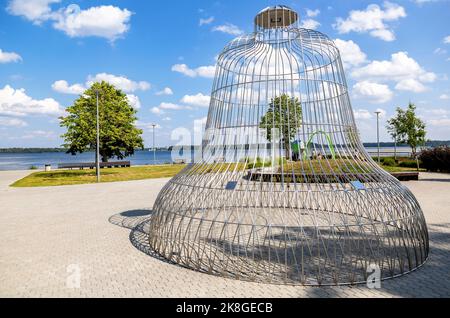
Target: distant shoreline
(432, 143)
(53, 150)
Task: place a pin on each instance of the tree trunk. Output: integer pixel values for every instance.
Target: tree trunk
(413, 152)
(286, 149)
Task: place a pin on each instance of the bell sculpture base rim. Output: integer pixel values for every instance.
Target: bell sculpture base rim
(294, 284)
(242, 264)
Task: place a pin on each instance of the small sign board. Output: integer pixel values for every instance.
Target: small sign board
(358, 185)
(231, 185)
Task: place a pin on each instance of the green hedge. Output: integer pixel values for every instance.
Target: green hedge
(408, 164)
(388, 161)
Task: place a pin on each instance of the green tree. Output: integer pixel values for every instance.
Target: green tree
(406, 127)
(285, 114)
(118, 135)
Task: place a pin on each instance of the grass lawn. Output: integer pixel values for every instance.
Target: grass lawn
(67, 177)
(400, 169)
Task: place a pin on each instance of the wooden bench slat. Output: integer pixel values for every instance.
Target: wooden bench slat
(91, 165)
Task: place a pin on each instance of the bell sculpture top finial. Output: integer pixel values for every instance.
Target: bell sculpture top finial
(276, 17)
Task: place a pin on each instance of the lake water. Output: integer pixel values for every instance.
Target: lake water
(23, 161)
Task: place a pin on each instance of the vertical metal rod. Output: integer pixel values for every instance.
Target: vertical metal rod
(395, 148)
(378, 135)
(97, 152)
(154, 149)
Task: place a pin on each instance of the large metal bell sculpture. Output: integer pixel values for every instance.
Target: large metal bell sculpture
(284, 191)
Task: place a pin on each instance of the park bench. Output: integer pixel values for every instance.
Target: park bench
(91, 165)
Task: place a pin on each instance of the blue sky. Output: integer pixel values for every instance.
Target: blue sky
(162, 54)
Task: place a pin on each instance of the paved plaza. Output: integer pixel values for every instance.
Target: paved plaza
(53, 238)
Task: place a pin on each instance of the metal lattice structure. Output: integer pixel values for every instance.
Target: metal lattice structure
(285, 192)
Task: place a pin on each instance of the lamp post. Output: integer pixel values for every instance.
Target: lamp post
(395, 147)
(97, 152)
(378, 135)
(154, 149)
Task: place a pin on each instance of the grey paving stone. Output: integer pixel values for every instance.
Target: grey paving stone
(45, 230)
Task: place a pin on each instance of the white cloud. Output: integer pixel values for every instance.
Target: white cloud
(444, 96)
(184, 69)
(159, 110)
(383, 34)
(165, 91)
(15, 102)
(167, 119)
(437, 121)
(171, 106)
(374, 92)
(433, 112)
(421, 2)
(36, 11)
(134, 101)
(443, 122)
(351, 53)
(440, 51)
(206, 71)
(155, 110)
(120, 82)
(196, 100)
(373, 20)
(312, 13)
(202, 71)
(402, 69)
(362, 114)
(105, 21)
(309, 24)
(48, 134)
(12, 122)
(410, 84)
(447, 39)
(229, 29)
(8, 57)
(63, 87)
(206, 21)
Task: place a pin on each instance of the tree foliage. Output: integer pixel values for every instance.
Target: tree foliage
(406, 127)
(285, 114)
(118, 135)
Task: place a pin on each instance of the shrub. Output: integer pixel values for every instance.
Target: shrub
(388, 161)
(436, 159)
(408, 164)
(33, 167)
(258, 163)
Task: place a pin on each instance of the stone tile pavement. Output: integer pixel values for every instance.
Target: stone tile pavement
(51, 236)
